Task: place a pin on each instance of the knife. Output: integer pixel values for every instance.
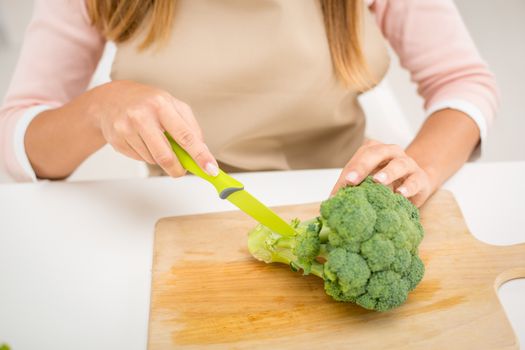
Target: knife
(229, 188)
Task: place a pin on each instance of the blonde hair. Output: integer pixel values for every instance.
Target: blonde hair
(119, 20)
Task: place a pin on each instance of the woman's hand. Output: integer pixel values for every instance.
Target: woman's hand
(391, 166)
(133, 117)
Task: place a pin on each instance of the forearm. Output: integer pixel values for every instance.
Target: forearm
(444, 144)
(132, 117)
(59, 140)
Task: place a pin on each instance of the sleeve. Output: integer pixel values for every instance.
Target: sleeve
(434, 45)
(60, 53)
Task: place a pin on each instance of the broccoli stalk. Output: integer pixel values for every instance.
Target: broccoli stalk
(363, 245)
(299, 251)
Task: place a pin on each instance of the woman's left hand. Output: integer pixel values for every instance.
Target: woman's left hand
(389, 165)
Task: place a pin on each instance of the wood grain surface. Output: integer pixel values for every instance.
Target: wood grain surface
(208, 292)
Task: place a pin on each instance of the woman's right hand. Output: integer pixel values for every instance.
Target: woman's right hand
(133, 117)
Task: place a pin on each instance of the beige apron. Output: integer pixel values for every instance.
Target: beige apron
(259, 78)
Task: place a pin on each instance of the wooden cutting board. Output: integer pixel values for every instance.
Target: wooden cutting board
(208, 292)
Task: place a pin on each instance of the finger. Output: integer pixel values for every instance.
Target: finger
(340, 183)
(189, 139)
(150, 131)
(128, 139)
(369, 158)
(138, 145)
(396, 169)
(412, 185)
(416, 188)
(344, 177)
(419, 199)
(162, 152)
(370, 142)
(122, 146)
(186, 113)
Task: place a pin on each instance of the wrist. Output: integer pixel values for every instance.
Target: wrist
(434, 178)
(93, 107)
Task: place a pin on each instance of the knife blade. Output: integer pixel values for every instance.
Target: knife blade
(250, 205)
(231, 189)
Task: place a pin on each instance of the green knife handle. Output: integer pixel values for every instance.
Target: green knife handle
(223, 183)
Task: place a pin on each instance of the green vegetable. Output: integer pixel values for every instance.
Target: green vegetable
(364, 246)
(4, 347)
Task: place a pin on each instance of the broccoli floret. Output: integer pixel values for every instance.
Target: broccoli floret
(364, 246)
(346, 275)
(350, 216)
(307, 245)
(385, 290)
(379, 252)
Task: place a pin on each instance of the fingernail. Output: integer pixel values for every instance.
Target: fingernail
(351, 177)
(403, 190)
(212, 169)
(380, 177)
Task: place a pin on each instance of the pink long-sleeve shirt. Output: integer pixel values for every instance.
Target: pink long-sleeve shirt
(61, 51)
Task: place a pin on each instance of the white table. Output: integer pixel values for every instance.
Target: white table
(75, 258)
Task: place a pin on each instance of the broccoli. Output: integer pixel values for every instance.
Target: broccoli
(364, 246)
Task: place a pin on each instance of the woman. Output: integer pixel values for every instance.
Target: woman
(244, 85)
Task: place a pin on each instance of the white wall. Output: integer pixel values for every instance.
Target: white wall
(14, 16)
(498, 28)
(104, 164)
